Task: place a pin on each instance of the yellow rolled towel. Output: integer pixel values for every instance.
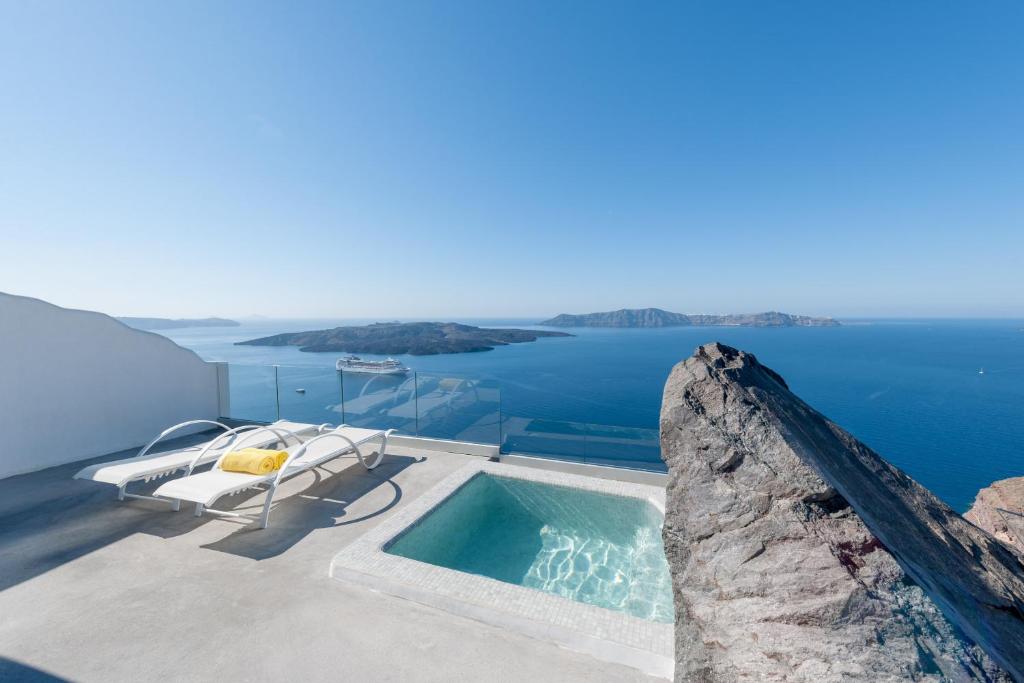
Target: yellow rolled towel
(279, 459)
(253, 461)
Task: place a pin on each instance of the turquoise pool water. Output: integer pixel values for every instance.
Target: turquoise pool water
(590, 547)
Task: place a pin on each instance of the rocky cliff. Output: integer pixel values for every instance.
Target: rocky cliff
(999, 510)
(656, 317)
(626, 317)
(798, 553)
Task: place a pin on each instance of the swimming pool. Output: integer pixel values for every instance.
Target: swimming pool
(562, 557)
(587, 546)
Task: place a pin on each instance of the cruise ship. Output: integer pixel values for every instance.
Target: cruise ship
(389, 366)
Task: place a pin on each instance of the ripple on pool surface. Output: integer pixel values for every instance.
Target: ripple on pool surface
(591, 547)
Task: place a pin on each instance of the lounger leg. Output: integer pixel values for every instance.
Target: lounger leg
(379, 454)
(265, 516)
(199, 510)
(177, 505)
(120, 492)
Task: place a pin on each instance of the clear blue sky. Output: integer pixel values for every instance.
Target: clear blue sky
(432, 159)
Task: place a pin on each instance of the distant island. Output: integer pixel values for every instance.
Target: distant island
(169, 324)
(417, 339)
(656, 317)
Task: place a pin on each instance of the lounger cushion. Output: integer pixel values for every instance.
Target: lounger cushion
(207, 487)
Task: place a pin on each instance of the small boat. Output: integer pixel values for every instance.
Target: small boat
(300, 391)
(371, 367)
(981, 372)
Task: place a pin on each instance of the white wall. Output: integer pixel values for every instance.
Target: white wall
(76, 384)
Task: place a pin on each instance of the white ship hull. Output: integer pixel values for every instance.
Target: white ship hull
(371, 367)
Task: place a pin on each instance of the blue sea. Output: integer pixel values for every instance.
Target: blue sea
(910, 389)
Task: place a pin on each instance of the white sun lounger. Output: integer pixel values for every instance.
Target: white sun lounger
(206, 488)
(145, 466)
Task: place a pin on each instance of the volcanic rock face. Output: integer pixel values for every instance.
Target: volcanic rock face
(999, 510)
(418, 339)
(797, 553)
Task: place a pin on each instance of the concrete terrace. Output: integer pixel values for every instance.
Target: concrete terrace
(96, 590)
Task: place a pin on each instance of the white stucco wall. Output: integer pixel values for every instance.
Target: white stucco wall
(76, 384)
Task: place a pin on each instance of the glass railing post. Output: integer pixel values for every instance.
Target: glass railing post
(277, 393)
(416, 399)
(500, 422)
(341, 388)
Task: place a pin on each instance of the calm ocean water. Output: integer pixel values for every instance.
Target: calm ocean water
(909, 389)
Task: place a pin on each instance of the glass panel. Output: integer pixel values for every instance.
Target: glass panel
(380, 401)
(548, 438)
(458, 408)
(435, 406)
(624, 447)
(253, 393)
(309, 394)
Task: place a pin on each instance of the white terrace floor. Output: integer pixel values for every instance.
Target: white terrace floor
(96, 590)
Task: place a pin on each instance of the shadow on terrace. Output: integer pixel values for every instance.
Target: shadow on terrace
(48, 519)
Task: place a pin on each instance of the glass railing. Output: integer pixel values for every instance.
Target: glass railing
(458, 408)
(546, 438)
(253, 392)
(309, 394)
(430, 405)
(594, 444)
(379, 401)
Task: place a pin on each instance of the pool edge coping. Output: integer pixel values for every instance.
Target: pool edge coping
(602, 633)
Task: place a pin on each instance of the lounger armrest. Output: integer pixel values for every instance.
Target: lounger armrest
(336, 434)
(232, 433)
(302, 451)
(171, 430)
(281, 433)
